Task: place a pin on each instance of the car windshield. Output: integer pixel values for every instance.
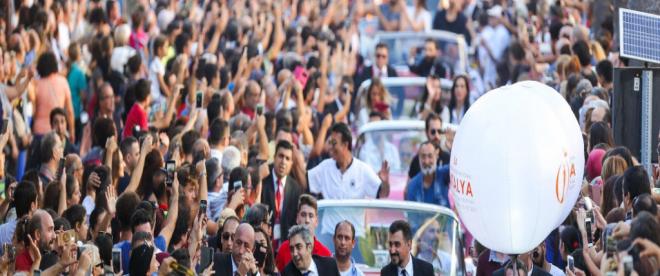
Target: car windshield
(451, 49)
(435, 235)
(397, 146)
(405, 94)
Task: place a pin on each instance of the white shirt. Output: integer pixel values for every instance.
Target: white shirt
(497, 39)
(89, 205)
(408, 268)
(357, 182)
(313, 271)
(234, 267)
(378, 149)
(120, 56)
(555, 271)
(283, 180)
(424, 16)
(156, 68)
(217, 154)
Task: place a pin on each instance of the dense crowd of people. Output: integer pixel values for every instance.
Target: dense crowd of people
(196, 137)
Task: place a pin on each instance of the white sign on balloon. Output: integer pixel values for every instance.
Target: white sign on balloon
(516, 166)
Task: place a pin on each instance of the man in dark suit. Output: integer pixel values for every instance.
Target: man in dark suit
(281, 191)
(380, 68)
(240, 261)
(402, 262)
(303, 262)
(523, 264)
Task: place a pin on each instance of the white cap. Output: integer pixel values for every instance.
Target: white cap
(495, 11)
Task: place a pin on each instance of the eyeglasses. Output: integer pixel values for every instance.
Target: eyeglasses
(435, 131)
(226, 236)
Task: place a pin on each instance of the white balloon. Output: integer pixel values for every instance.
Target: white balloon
(516, 166)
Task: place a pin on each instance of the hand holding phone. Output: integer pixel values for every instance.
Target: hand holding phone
(116, 260)
(170, 167)
(202, 207)
(571, 264)
(199, 98)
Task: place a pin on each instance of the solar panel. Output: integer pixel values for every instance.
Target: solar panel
(639, 35)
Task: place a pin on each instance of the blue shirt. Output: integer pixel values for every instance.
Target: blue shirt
(389, 14)
(125, 247)
(7, 231)
(436, 194)
(78, 84)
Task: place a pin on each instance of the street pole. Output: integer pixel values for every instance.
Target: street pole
(647, 120)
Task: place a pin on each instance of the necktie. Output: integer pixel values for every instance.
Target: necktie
(404, 273)
(278, 199)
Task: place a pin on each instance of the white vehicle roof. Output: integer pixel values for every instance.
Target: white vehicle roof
(386, 204)
(392, 125)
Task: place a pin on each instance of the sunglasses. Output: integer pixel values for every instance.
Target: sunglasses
(226, 236)
(381, 56)
(434, 131)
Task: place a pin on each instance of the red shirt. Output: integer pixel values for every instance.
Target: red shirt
(23, 262)
(284, 254)
(136, 116)
(249, 112)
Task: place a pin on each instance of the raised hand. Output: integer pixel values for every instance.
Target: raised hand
(384, 173)
(147, 144)
(94, 180)
(34, 252)
(111, 198)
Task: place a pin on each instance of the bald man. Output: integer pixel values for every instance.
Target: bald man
(42, 230)
(240, 261)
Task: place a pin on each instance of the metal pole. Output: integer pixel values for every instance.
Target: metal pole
(647, 120)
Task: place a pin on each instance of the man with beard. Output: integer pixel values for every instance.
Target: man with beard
(538, 257)
(303, 262)
(427, 65)
(344, 240)
(402, 263)
(42, 229)
(433, 127)
(431, 184)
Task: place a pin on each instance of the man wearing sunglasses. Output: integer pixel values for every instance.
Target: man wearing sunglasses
(431, 185)
(379, 69)
(434, 132)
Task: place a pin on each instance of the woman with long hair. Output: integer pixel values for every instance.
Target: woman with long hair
(459, 102)
(154, 162)
(377, 100)
(416, 18)
(431, 100)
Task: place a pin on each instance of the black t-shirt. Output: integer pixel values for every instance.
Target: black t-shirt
(458, 26)
(48, 259)
(415, 168)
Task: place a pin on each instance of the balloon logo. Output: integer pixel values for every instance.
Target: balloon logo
(516, 166)
(562, 184)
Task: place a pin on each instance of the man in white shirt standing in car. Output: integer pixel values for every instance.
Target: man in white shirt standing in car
(346, 177)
